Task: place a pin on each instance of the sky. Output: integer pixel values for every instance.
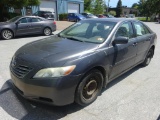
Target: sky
(128, 3)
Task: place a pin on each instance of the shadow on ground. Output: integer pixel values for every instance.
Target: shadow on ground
(20, 108)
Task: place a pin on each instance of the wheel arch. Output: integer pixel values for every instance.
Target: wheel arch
(8, 29)
(153, 48)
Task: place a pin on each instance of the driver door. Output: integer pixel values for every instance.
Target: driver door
(23, 27)
(123, 55)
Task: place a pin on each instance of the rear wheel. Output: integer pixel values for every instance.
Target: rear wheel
(47, 31)
(89, 88)
(7, 34)
(148, 57)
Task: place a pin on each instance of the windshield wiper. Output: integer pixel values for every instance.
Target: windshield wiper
(73, 38)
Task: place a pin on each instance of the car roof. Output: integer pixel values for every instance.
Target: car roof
(113, 19)
(33, 17)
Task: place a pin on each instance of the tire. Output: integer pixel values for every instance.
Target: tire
(148, 58)
(89, 88)
(47, 31)
(7, 34)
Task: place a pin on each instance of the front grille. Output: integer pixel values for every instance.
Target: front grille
(20, 70)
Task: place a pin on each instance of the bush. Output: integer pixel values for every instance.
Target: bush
(63, 16)
(113, 13)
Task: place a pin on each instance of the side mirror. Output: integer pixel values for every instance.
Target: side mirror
(17, 23)
(120, 40)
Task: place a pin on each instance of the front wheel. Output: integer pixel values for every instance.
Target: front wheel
(89, 88)
(47, 31)
(148, 58)
(7, 34)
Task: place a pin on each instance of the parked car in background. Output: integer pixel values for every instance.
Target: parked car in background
(89, 15)
(26, 25)
(74, 65)
(75, 17)
(101, 16)
(45, 14)
(109, 16)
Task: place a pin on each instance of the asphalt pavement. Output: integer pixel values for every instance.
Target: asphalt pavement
(133, 96)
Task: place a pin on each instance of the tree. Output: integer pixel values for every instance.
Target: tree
(119, 8)
(5, 5)
(88, 5)
(135, 5)
(99, 7)
(112, 13)
(149, 7)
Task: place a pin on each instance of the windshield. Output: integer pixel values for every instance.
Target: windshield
(14, 19)
(88, 31)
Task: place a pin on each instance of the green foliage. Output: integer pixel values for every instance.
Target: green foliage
(95, 6)
(112, 13)
(6, 4)
(135, 6)
(99, 7)
(144, 19)
(119, 8)
(88, 5)
(149, 7)
(63, 16)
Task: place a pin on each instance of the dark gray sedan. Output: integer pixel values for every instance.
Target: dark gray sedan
(26, 25)
(78, 62)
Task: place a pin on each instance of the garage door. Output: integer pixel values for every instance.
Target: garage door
(73, 8)
(49, 6)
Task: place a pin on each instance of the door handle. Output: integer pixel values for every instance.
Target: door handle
(148, 39)
(134, 44)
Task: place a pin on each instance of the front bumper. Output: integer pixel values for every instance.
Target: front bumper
(57, 91)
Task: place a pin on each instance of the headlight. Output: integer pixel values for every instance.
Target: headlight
(54, 72)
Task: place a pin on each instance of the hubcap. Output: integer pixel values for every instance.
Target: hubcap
(89, 89)
(7, 34)
(47, 31)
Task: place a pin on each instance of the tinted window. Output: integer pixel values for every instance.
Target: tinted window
(23, 20)
(125, 30)
(140, 29)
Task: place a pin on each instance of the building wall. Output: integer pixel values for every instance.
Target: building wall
(62, 7)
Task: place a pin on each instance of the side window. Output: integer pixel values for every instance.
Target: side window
(125, 30)
(23, 20)
(140, 29)
(35, 20)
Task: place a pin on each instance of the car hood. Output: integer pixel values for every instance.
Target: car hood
(54, 51)
(4, 23)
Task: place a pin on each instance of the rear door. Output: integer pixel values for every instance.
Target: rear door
(23, 26)
(123, 55)
(36, 25)
(144, 37)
